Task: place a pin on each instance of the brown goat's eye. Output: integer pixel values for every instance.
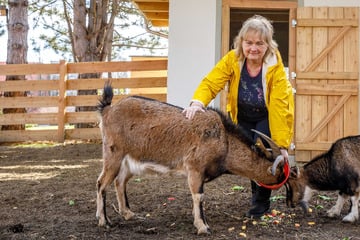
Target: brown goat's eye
(112, 148)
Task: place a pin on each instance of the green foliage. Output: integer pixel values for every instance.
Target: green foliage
(319, 207)
(276, 197)
(323, 197)
(237, 188)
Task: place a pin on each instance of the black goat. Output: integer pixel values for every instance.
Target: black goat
(338, 169)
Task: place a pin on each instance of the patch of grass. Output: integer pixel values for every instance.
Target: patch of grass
(276, 197)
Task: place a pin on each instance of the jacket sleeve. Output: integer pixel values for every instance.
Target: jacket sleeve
(215, 80)
(281, 108)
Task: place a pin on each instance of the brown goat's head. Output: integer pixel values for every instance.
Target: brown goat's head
(295, 188)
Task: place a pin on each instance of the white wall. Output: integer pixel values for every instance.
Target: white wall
(328, 3)
(194, 46)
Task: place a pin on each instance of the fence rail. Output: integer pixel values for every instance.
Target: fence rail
(52, 97)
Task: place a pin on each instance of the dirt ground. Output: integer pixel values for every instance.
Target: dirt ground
(48, 192)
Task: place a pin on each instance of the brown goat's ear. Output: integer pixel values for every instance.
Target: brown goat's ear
(261, 146)
(274, 147)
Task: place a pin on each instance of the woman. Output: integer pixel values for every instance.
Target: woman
(259, 97)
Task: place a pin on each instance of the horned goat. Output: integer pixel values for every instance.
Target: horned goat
(143, 135)
(338, 169)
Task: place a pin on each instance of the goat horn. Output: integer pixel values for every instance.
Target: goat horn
(274, 147)
(278, 159)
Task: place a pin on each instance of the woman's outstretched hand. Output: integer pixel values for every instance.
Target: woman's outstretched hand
(192, 109)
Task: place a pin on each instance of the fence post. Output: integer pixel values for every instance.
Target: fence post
(62, 100)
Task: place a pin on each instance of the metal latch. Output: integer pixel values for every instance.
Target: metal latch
(293, 22)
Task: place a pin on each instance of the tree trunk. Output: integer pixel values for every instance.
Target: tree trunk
(16, 50)
(91, 41)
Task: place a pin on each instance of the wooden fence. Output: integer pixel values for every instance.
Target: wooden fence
(52, 97)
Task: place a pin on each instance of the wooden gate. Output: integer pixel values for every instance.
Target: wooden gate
(327, 78)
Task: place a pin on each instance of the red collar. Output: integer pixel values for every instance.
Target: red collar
(286, 170)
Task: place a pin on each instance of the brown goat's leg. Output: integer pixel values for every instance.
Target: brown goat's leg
(120, 187)
(196, 184)
(101, 202)
(106, 177)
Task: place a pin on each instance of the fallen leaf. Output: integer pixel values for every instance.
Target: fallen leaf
(242, 234)
(237, 188)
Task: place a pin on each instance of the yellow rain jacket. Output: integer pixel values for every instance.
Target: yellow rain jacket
(278, 93)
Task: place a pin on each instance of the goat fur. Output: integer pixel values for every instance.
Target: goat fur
(142, 135)
(338, 169)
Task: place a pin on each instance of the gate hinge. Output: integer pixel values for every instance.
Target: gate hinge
(293, 75)
(293, 22)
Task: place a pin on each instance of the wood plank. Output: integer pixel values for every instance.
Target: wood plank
(351, 64)
(29, 85)
(292, 47)
(82, 117)
(62, 101)
(27, 135)
(335, 63)
(326, 89)
(29, 102)
(321, 124)
(143, 91)
(153, 6)
(263, 4)
(100, 67)
(330, 75)
(303, 106)
(309, 146)
(153, 86)
(319, 102)
(330, 22)
(95, 83)
(29, 69)
(158, 16)
(28, 118)
(225, 40)
(92, 100)
(83, 100)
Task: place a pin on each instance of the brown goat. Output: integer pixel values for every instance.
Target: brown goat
(338, 169)
(147, 136)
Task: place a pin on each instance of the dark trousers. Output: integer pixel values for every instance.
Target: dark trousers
(260, 195)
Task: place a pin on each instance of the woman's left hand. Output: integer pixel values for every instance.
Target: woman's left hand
(285, 154)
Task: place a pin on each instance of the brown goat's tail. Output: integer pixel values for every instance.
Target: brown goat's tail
(106, 98)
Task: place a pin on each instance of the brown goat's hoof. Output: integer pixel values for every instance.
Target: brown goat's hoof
(204, 231)
(128, 215)
(104, 223)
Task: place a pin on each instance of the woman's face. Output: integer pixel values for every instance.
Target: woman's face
(254, 47)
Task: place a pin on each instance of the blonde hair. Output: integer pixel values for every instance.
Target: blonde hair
(258, 24)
